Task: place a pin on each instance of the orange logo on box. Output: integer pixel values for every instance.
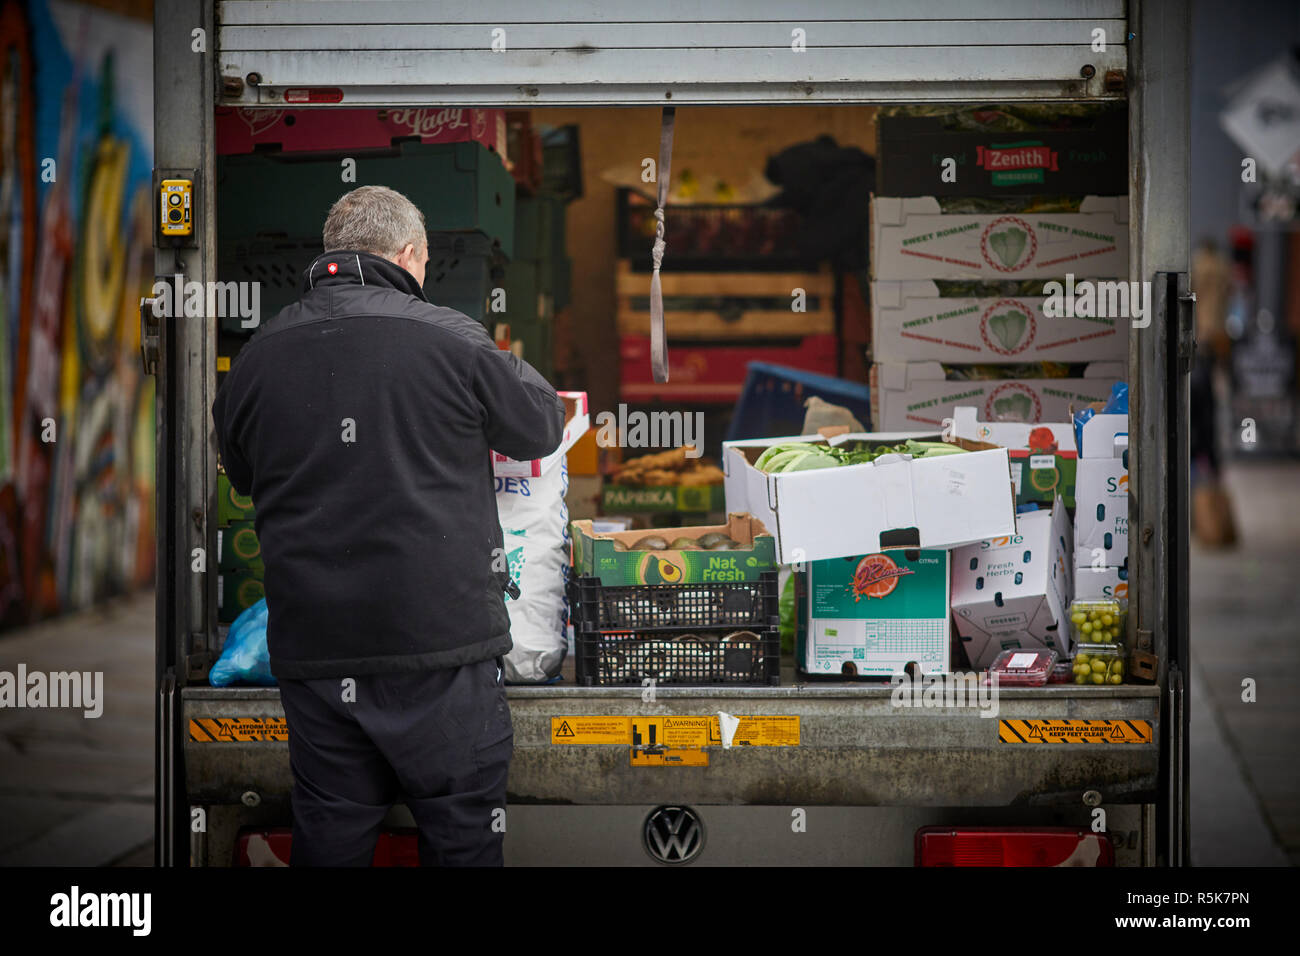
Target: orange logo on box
(876, 576)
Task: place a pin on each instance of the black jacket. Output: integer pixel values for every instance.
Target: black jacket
(380, 551)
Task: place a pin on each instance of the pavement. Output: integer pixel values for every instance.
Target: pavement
(79, 791)
(1245, 619)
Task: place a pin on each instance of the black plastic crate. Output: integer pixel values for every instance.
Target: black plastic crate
(675, 607)
(711, 237)
(625, 658)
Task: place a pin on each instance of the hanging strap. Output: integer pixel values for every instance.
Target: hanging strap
(658, 337)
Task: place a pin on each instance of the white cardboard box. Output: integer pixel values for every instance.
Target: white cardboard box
(1091, 584)
(912, 239)
(1014, 591)
(918, 395)
(1015, 435)
(1101, 493)
(911, 321)
(894, 501)
(577, 420)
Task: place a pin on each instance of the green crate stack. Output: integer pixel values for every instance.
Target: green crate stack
(271, 208)
(239, 561)
(537, 278)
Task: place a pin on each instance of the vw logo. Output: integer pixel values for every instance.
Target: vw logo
(673, 834)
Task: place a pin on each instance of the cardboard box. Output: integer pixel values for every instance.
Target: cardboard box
(238, 548)
(584, 494)
(231, 505)
(584, 456)
(1101, 494)
(634, 499)
(919, 395)
(1043, 459)
(236, 592)
(914, 321)
(596, 555)
(577, 420)
(1001, 151)
(894, 501)
(241, 130)
(872, 615)
(912, 238)
(1097, 583)
(1014, 591)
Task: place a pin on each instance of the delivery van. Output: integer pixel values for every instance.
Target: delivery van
(830, 771)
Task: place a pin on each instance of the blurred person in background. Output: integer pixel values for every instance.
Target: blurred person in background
(1213, 283)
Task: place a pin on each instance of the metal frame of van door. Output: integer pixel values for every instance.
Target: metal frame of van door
(186, 86)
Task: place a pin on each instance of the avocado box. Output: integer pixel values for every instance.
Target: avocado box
(1043, 458)
(238, 548)
(237, 591)
(871, 615)
(231, 505)
(629, 499)
(596, 555)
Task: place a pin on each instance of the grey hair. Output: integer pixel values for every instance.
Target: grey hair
(374, 219)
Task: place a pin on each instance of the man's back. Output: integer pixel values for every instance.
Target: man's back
(360, 420)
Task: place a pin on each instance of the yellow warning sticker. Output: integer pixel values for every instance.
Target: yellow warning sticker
(207, 730)
(591, 730)
(1075, 731)
(223, 363)
(675, 732)
(669, 757)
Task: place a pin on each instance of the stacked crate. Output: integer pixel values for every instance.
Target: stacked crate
(536, 281)
(678, 634)
(272, 205)
(976, 210)
(734, 291)
(239, 555)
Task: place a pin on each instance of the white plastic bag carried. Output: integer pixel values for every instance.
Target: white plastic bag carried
(535, 529)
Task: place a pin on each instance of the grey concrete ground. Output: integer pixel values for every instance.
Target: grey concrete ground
(1245, 606)
(80, 791)
(74, 790)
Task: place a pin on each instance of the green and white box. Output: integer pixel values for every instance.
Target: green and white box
(913, 238)
(982, 322)
(872, 615)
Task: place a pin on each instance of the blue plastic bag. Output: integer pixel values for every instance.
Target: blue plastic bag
(1117, 404)
(244, 659)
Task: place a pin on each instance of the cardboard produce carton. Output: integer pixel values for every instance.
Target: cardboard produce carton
(872, 615)
(1014, 591)
(892, 502)
(1043, 457)
(1022, 149)
(577, 420)
(1101, 494)
(238, 548)
(918, 320)
(920, 395)
(913, 238)
(1091, 584)
(597, 554)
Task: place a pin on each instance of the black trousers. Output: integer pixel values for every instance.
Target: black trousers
(439, 741)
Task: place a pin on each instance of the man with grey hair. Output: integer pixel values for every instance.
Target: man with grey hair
(360, 419)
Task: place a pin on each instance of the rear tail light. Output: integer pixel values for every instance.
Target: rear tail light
(271, 847)
(1012, 846)
(313, 94)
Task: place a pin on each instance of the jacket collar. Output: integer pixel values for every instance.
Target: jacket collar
(349, 267)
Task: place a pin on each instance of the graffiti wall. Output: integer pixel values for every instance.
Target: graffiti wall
(76, 412)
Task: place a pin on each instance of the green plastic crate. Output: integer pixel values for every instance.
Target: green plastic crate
(458, 187)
